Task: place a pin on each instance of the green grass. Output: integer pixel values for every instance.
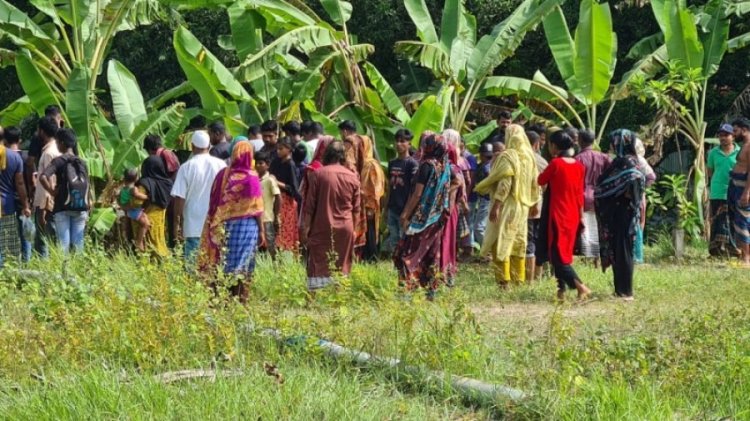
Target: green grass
(90, 347)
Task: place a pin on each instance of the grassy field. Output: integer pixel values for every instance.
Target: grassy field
(89, 338)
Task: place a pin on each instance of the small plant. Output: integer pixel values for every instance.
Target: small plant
(675, 196)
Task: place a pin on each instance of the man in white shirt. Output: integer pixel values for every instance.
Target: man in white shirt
(44, 203)
(311, 132)
(192, 192)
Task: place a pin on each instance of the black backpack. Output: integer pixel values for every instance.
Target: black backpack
(77, 179)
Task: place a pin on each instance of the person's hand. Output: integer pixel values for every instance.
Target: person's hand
(303, 236)
(262, 240)
(465, 208)
(533, 212)
(404, 223)
(745, 200)
(26, 211)
(495, 212)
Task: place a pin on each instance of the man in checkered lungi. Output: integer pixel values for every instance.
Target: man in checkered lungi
(12, 194)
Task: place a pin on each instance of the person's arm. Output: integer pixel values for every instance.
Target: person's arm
(179, 207)
(546, 175)
(745, 198)
(49, 171)
(411, 204)
(261, 230)
(309, 208)
(22, 194)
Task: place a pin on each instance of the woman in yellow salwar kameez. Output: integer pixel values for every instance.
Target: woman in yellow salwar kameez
(513, 189)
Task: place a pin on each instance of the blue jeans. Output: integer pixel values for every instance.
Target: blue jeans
(70, 227)
(190, 248)
(480, 211)
(394, 230)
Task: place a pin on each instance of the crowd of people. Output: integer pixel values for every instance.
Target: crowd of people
(532, 196)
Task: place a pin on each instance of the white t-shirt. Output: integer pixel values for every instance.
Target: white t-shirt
(311, 145)
(257, 144)
(193, 183)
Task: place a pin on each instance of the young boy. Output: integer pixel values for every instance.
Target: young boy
(270, 132)
(271, 201)
(401, 171)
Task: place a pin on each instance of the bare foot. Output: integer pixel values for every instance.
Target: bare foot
(628, 299)
(560, 295)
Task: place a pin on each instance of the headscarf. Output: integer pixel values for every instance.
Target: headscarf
(317, 161)
(622, 180)
(435, 199)
(643, 164)
(373, 178)
(236, 140)
(519, 162)
(236, 194)
(453, 139)
(154, 178)
(422, 138)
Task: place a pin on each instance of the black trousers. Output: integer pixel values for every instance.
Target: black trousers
(622, 242)
(565, 274)
(370, 249)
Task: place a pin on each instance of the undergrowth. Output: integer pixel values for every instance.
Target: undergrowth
(83, 337)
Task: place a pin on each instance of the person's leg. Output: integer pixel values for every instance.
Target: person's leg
(394, 230)
(189, 249)
(517, 269)
(26, 245)
(41, 239)
(502, 272)
(623, 265)
(62, 230)
(483, 213)
(270, 232)
(78, 229)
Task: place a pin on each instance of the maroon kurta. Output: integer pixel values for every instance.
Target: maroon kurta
(332, 200)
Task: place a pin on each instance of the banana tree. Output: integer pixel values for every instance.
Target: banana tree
(695, 44)
(458, 58)
(66, 44)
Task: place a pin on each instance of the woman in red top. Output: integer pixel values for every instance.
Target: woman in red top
(564, 178)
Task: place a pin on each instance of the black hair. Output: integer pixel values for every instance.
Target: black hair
(538, 129)
(52, 111)
(12, 135)
(197, 122)
(572, 132)
(404, 134)
(291, 128)
(334, 153)
(217, 127)
(504, 115)
(498, 138)
(299, 154)
(269, 126)
(412, 151)
(586, 138)
(348, 125)
(319, 128)
(561, 140)
(67, 139)
(533, 136)
(130, 175)
(308, 127)
(263, 157)
(741, 122)
(253, 131)
(48, 126)
(286, 142)
(152, 142)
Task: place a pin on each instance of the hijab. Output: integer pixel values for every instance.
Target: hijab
(373, 177)
(236, 194)
(621, 182)
(519, 162)
(154, 178)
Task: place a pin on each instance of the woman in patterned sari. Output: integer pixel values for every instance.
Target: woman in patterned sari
(418, 255)
(234, 227)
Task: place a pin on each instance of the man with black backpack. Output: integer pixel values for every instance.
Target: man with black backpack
(70, 190)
